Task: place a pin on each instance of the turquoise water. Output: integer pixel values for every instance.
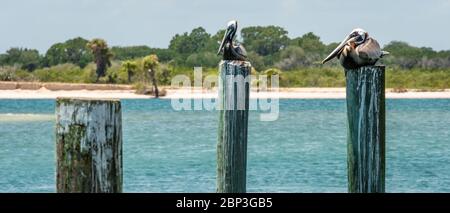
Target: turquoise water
(169, 151)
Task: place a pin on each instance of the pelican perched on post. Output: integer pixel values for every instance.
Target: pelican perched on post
(230, 50)
(357, 50)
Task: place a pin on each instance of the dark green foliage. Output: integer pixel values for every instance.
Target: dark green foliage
(203, 59)
(186, 44)
(265, 40)
(197, 48)
(27, 59)
(213, 43)
(408, 57)
(310, 43)
(130, 52)
(292, 57)
(72, 51)
(164, 55)
(134, 52)
(256, 60)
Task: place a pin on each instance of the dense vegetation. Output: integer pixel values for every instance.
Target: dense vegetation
(269, 48)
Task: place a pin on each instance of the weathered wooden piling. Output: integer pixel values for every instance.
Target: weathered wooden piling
(233, 104)
(88, 146)
(366, 129)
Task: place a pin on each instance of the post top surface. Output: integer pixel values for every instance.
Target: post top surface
(81, 99)
(379, 67)
(371, 66)
(236, 62)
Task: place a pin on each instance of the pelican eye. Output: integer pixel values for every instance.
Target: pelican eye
(359, 39)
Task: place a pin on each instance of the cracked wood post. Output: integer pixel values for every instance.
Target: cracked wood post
(88, 146)
(233, 103)
(366, 129)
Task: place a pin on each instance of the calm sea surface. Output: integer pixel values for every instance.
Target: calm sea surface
(169, 151)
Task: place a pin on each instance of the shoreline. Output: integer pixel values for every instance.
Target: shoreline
(197, 93)
(41, 90)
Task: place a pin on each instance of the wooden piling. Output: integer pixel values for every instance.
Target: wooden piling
(88, 146)
(366, 129)
(233, 103)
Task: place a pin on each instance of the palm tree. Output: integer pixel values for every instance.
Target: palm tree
(151, 63)
(102, 56)
(129, 67)
(269, 73)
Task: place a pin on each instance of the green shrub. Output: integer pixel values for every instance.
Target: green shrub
(418, 79)
(89, 75)
(68, 73)
(14, 73)
(320, 76)
(313, 77)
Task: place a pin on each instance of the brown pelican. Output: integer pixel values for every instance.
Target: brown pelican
(230, 50)
(357, 50)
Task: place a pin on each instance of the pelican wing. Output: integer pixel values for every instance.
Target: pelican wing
(369, 50)
(239, 52)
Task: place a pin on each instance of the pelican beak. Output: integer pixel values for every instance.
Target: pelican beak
(337, 50)
(227, 32)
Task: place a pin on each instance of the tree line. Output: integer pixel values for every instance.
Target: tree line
(268, 47)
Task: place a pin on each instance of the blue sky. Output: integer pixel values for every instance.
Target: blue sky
(41, 23)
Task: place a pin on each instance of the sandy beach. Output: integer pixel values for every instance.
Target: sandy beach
(36, 90)
(283, 93)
